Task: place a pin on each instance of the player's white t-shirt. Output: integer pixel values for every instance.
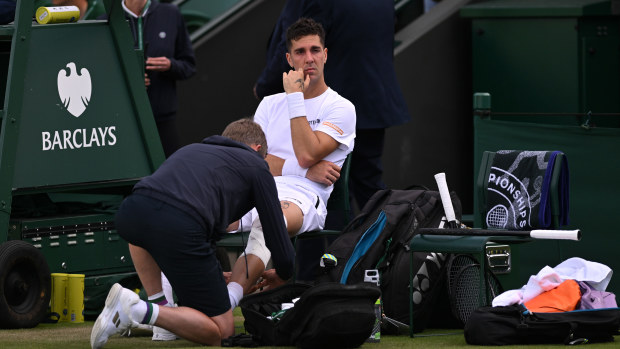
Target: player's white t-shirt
(329, 113)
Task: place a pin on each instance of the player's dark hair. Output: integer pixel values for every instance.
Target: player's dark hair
(304, 27)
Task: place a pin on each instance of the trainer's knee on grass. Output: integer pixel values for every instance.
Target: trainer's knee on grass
(195, 326)
(225, 324)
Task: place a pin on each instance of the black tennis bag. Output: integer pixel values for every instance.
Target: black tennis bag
(328, 315)
(379, 237)
(516, 325)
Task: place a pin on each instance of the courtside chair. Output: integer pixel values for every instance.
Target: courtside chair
(338, 205)
(476, 246)
(338, 213)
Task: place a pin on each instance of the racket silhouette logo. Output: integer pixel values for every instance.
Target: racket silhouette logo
(512, 207)
(74, 88)
(497, 217)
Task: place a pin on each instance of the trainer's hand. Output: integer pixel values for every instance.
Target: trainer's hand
(270, 280)
(293, 81)
(158, 63)
(324, 172)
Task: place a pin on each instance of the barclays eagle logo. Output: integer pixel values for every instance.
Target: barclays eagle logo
(74, 90)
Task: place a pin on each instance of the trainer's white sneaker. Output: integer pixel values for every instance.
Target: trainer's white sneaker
(161, 334)
(115, 317)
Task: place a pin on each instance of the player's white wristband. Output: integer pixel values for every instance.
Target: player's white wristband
(296, 105)
(291, 168)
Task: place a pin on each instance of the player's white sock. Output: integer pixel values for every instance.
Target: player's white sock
(235, 294)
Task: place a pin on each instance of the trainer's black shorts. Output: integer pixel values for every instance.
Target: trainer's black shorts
(181, 248)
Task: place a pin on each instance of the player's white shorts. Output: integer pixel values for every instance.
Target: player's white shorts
(311, 206)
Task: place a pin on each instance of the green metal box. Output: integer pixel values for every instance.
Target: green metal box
(560, 56)
(84, 244)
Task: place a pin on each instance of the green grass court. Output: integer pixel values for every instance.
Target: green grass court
(69, 336)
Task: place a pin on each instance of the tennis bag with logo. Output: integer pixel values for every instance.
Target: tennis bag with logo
(328, 315)
(515, 324)
(379, 237)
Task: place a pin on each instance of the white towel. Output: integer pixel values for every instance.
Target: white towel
(596, 274)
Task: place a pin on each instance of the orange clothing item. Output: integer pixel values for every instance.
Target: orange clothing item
(565, 297)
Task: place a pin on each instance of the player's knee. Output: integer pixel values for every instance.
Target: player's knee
(260, 251)
(256, 243)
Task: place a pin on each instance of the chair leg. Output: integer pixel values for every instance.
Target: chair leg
(410, 294)
(482, 287)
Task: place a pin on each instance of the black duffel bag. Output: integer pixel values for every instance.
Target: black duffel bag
(515, 324)
(328, 315)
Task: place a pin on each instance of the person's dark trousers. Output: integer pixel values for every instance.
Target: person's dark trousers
(366, 174)
(168, 134)
(7, 11)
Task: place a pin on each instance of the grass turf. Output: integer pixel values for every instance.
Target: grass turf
(69, 336)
